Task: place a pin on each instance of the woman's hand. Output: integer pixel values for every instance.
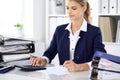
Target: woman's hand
(72, 67)
(35, 61)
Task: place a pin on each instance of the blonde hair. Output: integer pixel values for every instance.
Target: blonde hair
(87, 12)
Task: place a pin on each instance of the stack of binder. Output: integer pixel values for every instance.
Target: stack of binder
(16, 46)
(105, 66)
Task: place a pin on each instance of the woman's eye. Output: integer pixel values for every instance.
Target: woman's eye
(67, 7)
(73, 8)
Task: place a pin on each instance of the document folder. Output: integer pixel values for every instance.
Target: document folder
(16, 46)
(104, 63)
(104, 6)
(118, 7)
(113, 6)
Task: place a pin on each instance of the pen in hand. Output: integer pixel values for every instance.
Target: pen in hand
(31, 56)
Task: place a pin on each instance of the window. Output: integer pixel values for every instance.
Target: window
(13, 12)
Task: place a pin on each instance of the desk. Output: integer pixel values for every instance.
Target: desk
(20, 75)
(17, 74)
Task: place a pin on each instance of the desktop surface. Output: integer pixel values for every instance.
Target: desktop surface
(18, 74)
(35, 75)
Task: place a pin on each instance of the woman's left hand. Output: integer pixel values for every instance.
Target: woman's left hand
(71, 66)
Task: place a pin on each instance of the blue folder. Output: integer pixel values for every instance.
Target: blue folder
(110, 57)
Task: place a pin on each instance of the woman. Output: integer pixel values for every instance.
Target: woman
(75, 42)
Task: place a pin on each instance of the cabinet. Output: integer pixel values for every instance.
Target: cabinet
(109, 20)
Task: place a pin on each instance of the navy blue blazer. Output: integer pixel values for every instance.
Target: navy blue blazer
(88, 43)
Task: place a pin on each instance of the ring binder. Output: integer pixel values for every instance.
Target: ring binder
(104, 62)
(16, 46)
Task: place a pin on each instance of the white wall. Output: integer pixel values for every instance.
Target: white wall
(39, 25)
(112, 48)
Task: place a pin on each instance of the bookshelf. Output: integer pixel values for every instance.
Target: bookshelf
(109, 23)
(109, 20)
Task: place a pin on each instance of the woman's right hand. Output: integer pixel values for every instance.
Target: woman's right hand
(36, 61)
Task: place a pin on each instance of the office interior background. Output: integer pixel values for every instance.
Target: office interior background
(36, 17)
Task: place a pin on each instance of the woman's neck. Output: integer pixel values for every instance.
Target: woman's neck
(76, 24)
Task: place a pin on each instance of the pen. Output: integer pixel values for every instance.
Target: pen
(32, 56)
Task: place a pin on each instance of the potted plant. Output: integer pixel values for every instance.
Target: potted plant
(18, 25)
(18, 28)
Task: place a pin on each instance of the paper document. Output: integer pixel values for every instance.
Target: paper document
(56, 70)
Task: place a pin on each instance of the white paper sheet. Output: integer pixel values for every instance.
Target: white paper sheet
(57, 70)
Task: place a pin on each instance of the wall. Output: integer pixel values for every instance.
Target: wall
(39, 20)
(39, 25)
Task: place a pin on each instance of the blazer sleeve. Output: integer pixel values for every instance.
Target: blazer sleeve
(98, 45)
(51, 51)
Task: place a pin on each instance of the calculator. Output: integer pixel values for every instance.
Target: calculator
(30, 67)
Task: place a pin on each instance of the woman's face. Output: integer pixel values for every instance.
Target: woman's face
(74, 10)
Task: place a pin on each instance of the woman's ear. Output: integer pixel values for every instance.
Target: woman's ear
(85, 7)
